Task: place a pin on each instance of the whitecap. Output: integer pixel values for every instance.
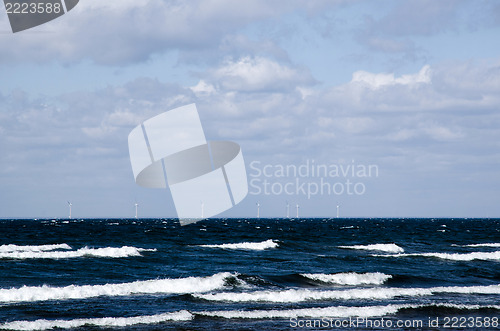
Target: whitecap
(338, 311)
(184, 315)
(454, 256)
(104, 252)
(484, 245)
(390, 248)
(156, 286)
(350, 278)
(32, 248)
(257, 246)
(43, 324)
(301, 295)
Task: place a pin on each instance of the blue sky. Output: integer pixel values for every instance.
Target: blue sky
(410, 86)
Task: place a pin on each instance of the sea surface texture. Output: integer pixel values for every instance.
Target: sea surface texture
(250, 274)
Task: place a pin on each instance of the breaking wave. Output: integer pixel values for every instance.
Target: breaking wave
(484, 245)
(50, 253)
(334, 312)
(32, 248)
(164, 286)
(350, 278)
(454, 256)
(43, 324)
(300, 295)
(260, 246)
(390, 248)
(184, 315)
(338, 311)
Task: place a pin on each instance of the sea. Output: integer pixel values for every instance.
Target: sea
(250, 274)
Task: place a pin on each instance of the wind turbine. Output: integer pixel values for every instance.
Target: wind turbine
(287, 210)
(297, 210)
(136, 204)
(202, 209)
(70, 204)
(338, 210)
(258, 210)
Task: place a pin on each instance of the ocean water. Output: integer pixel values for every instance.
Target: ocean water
(250, 274)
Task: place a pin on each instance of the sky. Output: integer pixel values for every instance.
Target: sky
(408, 88)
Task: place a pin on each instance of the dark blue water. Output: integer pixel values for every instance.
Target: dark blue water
(246, 274)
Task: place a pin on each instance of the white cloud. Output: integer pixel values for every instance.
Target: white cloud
(470, 79)
(402, 123)
(203, 89)
(376, 81)
(259, 74)
(121, 32)
(438, 122)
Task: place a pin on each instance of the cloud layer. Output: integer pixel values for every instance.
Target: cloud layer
(402, 123)
(429, 120)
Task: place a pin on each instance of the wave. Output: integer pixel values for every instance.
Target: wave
(337, 311)
(390, 248)
(451, 306)
(490, 289)
(334, 312)
(163, 286)
(32, 248)
(350, 278)
(184, 315)
(454, 256)
(484, 245)
(301, 295)
(259, 246)
(108, 252)
(43, 324)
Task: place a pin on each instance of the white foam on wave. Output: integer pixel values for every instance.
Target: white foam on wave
(184, 315)
(156, 286)
(457, 306)
(43, 324)
(301, 295)
(338, 311)
(484, 245)
(350, 278)
(390, 248)
(332, 312)
(490, 289)
(109, 252)
(32, 248)
(257, 246)
(454, 256)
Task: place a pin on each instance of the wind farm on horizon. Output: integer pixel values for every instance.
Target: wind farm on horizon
(202, 206)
